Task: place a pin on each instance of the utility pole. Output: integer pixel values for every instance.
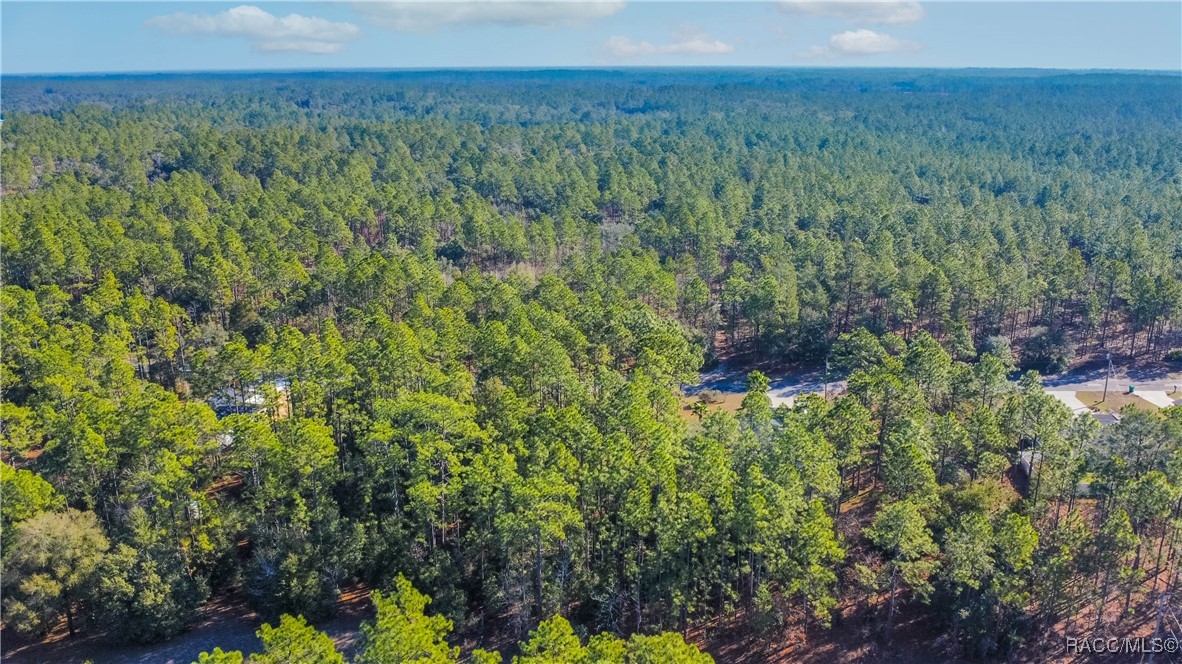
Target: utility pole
(1107, 375)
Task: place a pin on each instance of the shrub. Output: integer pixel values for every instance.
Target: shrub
(1048, 351)
(710, 396)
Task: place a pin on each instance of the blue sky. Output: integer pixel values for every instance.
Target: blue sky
(51, 37)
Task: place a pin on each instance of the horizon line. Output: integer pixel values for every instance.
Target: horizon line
(559, 68)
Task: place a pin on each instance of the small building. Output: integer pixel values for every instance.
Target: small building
(1028, 459)
(233, 402)
(1106, 419)
(251, 400)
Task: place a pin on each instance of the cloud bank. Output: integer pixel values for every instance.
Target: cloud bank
(862, 42)
(882, 12)
(430, 16)
(266, 32)
(688, 41)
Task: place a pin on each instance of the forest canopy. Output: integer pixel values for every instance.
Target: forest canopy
(276, 334)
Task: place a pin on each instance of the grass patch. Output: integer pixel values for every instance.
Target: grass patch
(1116, 401)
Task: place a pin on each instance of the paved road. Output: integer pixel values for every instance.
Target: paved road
(728, 378)
(224, 623)
(1092, 379)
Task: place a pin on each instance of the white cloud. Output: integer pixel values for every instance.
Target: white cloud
(882, 12)
(265, 32)
(688, 41)
(426, 16)
(860, 42)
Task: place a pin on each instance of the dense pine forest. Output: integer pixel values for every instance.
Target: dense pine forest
(270, 337)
